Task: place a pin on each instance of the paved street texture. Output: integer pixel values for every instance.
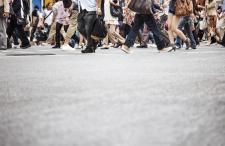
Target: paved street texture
(65, 98)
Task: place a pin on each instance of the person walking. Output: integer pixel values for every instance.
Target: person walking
(4, 13)
(173, 22)
(89, 9)
(111, 23)
(73, 25)
(19, 9)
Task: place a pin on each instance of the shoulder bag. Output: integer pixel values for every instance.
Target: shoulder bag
(116, 11)
(184, 7)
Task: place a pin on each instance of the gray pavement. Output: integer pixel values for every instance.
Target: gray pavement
(65, 98)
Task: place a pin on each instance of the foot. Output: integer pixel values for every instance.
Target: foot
(3, 49)
(126, 49)
(67, 47)
(105, 47)
(56, 47)
(88, 50)
(142, 46)
(188, 44)
(25, 46)
(168, 49)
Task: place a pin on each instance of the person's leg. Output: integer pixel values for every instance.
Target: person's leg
(189, 33)
(105, 41)
(158, 36)
(58, 35)
(72, 27)
(174, 28)
(33, 30)
(89, 19)
(10, 29)
(25, 43)
(138, 22)
(52, 32)
(3, 38)
(145, 36)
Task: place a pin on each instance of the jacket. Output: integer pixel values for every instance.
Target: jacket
(16, 7)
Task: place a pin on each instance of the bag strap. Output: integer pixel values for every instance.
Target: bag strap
(48, 15)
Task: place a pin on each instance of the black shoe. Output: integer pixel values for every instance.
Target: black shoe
(188, 44)
(57, 46)
(142, 46)
(88, 50)
(117, 45)
(193, 47)
(25, 46)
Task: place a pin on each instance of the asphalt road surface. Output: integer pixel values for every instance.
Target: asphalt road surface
(65, 98)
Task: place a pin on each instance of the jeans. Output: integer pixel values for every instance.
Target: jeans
(85, 26)
(186, 23)
(149, 20)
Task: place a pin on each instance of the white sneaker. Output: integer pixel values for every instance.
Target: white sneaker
(67, 48)
(16, 46)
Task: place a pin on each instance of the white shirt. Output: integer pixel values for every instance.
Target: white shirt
(49, 16)
(89, 5)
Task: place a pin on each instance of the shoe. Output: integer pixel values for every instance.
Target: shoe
(105, 47)
(88, 50)
(153, 45)
(25, 46)
(168, 49)
(3, 49)
(16, 46)
(57, 46)
(126, 49)
(67, 48)
(193, 47)
(188, 44)
(117, 45)
(142, 46)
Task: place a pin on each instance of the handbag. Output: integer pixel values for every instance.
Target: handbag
(116, 11)
(184, 8)
(99, 30)
(141, 6)
(1, 11)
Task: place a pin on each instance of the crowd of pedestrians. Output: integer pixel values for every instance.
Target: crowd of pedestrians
(69, 25)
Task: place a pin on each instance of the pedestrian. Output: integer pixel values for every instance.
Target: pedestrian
(161, 40)
(89, 9)
(19, 9)
(62, 20)
(4, 13)
(73, 25)
(173, 21)
(111, 24)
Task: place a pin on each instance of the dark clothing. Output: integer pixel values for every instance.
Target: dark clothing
(11, 28)
(85, 26)
(149, 20)
(172, 6)
(58, 29)
(16, 7)
(186, 24)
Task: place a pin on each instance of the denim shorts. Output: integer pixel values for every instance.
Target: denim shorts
(172, 6)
